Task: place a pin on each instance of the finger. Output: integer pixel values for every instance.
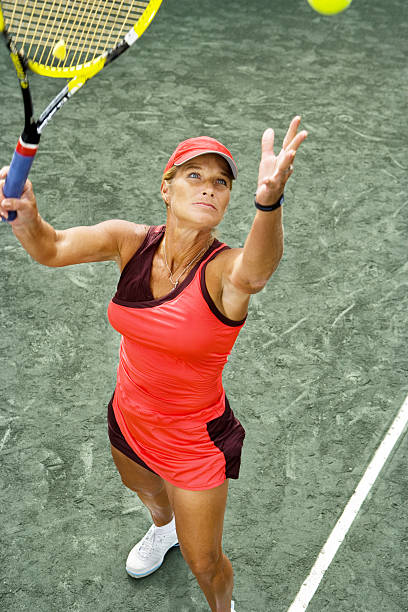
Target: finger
(28, 189)
(2, 196)
(4, 205)
(291, 133)
(268, 140)
(285, 160)
(288, 169)
(3, 172)
(2, 210)
(11, 204)
(297, 140)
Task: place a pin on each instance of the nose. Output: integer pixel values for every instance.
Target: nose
(209, 191)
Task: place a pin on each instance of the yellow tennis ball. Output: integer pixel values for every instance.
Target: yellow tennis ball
(60, 50)
(329, 7)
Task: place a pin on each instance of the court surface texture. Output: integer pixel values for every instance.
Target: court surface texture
(318, 376)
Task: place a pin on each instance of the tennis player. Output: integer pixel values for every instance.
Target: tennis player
(181, 301)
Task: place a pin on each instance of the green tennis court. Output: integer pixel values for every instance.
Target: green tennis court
(319, 371)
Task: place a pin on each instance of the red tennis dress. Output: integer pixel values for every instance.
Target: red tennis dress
(169, 411)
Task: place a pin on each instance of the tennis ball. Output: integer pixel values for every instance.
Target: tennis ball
(329, 7)
(60, 50)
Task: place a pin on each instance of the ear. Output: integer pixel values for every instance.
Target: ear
(165, 192)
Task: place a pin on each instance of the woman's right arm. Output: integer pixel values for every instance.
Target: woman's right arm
(109, 240)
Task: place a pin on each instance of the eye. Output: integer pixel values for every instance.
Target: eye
(222, 181)
(194, 173)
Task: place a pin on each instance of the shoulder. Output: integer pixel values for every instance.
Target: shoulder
(130, 237)
(223, 262)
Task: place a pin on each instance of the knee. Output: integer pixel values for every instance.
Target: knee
(151, 493)
(204, 566)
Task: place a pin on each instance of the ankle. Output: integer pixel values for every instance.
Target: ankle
(162, 522)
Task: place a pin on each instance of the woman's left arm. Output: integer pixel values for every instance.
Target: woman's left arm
(263, 247)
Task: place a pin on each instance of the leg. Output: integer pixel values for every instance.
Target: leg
(148, 486)
(199, 521)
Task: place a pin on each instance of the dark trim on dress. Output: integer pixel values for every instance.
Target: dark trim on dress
(117, 439)
(175, 292)
(228, 434)
(209, 300)
(136, 253)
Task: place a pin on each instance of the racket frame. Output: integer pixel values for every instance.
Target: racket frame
(29, 140)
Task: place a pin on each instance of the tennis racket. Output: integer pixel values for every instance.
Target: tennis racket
(69, 39)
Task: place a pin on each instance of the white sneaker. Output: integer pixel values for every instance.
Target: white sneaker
(232, 607)
(148, 554)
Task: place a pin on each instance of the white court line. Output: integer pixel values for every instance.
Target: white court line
(342, 526)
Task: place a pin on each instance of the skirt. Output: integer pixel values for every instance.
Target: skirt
(194, 459)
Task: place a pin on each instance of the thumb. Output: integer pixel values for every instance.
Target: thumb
(3, 172)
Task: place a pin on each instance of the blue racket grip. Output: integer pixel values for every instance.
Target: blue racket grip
(17, 175)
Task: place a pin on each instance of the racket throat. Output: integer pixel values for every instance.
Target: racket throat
(52, 108)
(30, 134)
(30, 137)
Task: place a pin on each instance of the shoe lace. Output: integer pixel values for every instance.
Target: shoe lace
(149, 541)
(147, 544)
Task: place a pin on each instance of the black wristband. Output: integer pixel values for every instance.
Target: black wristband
(268, 208)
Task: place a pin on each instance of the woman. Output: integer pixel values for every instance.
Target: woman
(181, 300)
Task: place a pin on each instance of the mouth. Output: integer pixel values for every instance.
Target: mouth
(205, 204)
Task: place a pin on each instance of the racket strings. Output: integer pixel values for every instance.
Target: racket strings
(97, 29)
(83, 29)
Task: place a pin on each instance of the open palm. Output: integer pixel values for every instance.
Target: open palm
(275, 170)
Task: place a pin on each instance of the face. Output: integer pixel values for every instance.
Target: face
(200, 190)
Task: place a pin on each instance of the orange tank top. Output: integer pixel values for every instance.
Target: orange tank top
(173, 349)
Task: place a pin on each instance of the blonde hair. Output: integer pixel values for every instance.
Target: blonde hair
(169, 176)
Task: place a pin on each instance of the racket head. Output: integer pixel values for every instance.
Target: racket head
(71, 38)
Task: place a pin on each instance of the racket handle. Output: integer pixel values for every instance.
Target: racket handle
(17, 175)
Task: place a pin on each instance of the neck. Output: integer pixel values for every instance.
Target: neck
(182, 246)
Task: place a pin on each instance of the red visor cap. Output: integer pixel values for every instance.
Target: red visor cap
(193, 147)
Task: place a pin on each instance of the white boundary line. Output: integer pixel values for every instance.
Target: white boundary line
(342, 526)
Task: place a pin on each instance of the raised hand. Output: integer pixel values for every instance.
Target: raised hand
(275, 170)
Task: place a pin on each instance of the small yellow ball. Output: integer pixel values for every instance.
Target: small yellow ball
(60, 50)
(329, 7)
